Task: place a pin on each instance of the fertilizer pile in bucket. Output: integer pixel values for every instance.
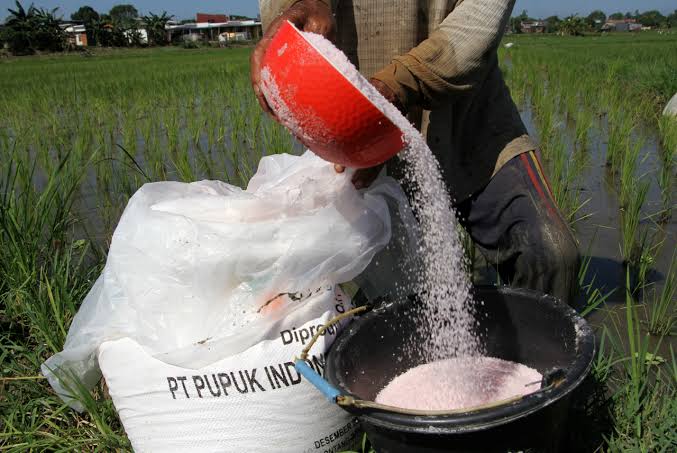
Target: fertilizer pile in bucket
(451, 384)
(446, 323)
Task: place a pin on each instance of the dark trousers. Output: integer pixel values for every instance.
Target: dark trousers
(518, 228)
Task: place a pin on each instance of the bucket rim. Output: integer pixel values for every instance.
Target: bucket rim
(483, 418)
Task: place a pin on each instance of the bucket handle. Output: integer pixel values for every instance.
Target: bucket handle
(334, 395)
(329, 391)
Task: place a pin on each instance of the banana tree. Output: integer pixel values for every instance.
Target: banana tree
(156, 28)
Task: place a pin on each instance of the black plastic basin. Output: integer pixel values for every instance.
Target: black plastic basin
(519, 325)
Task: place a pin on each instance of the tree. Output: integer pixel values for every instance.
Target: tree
(17, 32)
(85, 14)
(572, 26)
(672, 19)
(616, 16)
(651, 18)
(101, 30)
(552, 24)
(28, 30)
(123, 15)
(47, 32)
(596, 19)
(156, 28)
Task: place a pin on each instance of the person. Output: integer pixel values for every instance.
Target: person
(437, 61)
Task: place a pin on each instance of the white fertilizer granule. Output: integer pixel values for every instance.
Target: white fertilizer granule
(446, 321)
(453, 384)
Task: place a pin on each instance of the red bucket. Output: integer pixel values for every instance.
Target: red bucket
(321, 107)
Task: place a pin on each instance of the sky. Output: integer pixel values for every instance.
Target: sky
(186, 9)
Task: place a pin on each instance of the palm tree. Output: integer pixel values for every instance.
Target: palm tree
(18, 29)
(28, 30)
(47, 33)
(101, 32)
(573, 26)
(156, 28)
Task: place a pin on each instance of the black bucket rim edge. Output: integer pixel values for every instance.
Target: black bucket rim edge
(466, 422)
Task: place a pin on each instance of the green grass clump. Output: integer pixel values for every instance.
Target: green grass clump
(645, 391)
(631, 248)
(662, 316)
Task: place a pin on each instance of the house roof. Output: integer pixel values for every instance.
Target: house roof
(73, 27)
(534, 23)
(621, 21)
(206, 25)
(211, 18)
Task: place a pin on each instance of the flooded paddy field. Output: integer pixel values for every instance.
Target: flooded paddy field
(80, 134)
(594, 104)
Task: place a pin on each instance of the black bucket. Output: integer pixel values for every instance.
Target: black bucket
(518, 325)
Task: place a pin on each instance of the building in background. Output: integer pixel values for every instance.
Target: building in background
(76, 34)
(211, 18)
(216, 28)
(621, 25)
(533, 26)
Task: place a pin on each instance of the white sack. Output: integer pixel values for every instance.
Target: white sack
(190, 262)
(253, 401)
(671, 107)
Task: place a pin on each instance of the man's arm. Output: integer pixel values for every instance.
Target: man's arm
(454, 59)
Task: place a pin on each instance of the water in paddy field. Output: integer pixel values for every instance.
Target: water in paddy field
(599, 234)
(101, 201)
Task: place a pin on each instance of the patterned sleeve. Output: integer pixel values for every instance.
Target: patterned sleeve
(454, 59)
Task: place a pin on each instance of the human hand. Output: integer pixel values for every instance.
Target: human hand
(307, 15)
(389, 94)
(363, 177)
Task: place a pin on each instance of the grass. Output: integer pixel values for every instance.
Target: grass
(630, 224)
(80, 134)
(662, 316)
(645, 393)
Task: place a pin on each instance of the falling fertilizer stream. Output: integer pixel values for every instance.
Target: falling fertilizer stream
(446, 320)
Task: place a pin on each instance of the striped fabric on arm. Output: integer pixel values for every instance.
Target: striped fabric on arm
(456, 56)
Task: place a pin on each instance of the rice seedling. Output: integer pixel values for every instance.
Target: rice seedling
(584, 120)
(565, 173)
(621, 126)
(662, 310)
(593, 296)
(630, 222)
(648, 250)
(668, 156)
(628, 171)
(644, 391)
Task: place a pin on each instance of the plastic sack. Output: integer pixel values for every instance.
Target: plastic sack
(252, 401)
(191, 262)
(671, 107)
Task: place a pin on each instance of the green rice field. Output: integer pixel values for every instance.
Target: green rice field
(79, 134)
